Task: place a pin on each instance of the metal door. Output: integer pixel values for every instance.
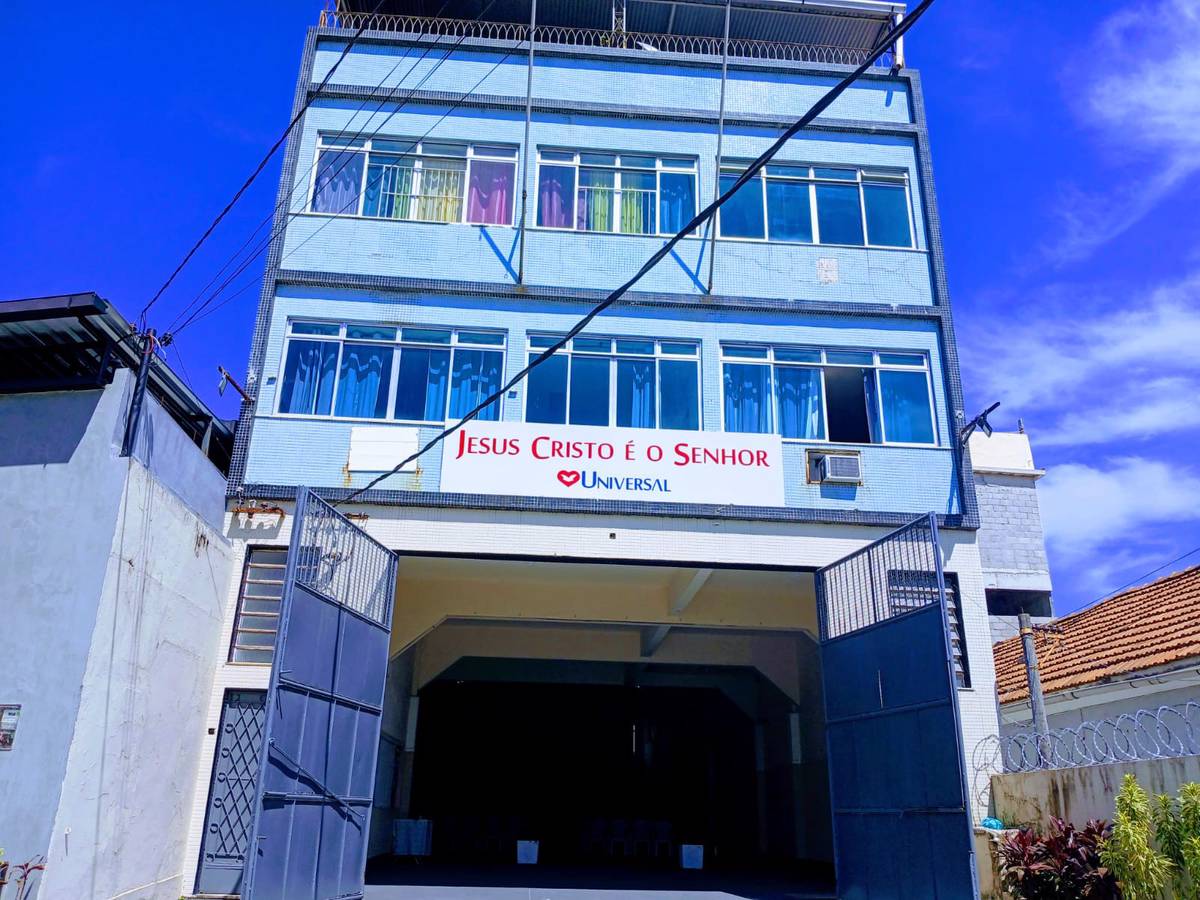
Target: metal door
(324, 702)
(901, 821)
(231, 795)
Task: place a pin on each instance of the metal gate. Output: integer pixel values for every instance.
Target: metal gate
(231, 796)
(313, 815)
(901, 823)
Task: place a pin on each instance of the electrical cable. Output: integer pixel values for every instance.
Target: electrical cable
(265, 243)
(1142, 578)
(262, 164)
(700, 218)
(206, 309)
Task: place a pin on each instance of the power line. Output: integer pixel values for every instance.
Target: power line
(265, 243)
(1142, 578)
(262, 164)
(703, 216)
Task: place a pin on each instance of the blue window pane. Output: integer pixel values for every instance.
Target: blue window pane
(643, 347)
(546, 391)
(476, 376)
(798, 400)
(840, 174)
(421, 386)
(887, 215)
(742, 214)
(839, 218)
(747, 398)
(425, 335)
(308, 377)
(371, 332)
(543, 340)
(745, 350)
(366, 374)
(589, 391)
(339, 178)
(902, 359)
(680, 390)
(789, 217)
(480, 337)
(905, 401)
(592, 345)
(635, 393)
(785, 355)
(556, 196)
(850, 357)
(679, 349)
(676, 201)
(315, 328)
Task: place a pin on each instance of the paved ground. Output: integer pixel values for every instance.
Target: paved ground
(430, 881)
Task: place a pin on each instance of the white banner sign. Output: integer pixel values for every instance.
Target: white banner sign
(614, 464)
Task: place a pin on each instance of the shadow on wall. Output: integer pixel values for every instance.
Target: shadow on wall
(44, 429)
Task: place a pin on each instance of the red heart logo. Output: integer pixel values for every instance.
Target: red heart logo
(568, 477)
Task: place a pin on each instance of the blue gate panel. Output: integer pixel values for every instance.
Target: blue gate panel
(324, 709)
(901, 823)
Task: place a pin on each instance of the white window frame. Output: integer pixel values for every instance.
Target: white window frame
(882, 176)
(690, 167)
(398, 344)
(613, 355)
(875, 365)
(474, 152)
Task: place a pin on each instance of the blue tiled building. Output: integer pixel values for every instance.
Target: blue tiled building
(451, 203)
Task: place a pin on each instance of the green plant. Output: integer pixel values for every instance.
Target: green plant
(1177, 833)
(1061, 865)
(1142, 871)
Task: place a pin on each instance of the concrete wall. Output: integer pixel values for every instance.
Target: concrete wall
(121, 824)
(1011, 539)
(60, 485)
(1087, 792)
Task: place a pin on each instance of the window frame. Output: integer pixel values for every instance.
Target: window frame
(691, 168)
(397, 344)
(875, 365)
(613, 356)
(862, 176)
(365, 147)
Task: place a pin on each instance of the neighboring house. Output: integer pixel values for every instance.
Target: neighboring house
(613, 571)
(1012, 545)
(1137, 650)
(114, 568)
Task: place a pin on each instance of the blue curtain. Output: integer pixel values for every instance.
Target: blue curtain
(871, 396)
(339, 178)
(680, 390)
(363, 383)
(308, 377)
(475, 377)
(676, 201)
(798, 399)
(635, 393)
(589, 390)
(747, 398)
(421, 387)
(906, 414)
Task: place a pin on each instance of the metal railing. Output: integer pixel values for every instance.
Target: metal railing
(1167, 732)
(646, 42)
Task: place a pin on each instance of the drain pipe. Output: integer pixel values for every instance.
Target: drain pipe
(525, 151)
(712, 247)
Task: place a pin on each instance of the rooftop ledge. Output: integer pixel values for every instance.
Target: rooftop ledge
(827, 32)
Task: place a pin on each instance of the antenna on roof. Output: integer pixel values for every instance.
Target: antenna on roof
(981, 422)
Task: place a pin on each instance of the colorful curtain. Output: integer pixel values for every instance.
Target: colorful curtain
(489, 195)
(441, 195)
(389, 187)
(595, 209)
(637, 202)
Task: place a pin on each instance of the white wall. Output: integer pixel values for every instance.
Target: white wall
(121, 826)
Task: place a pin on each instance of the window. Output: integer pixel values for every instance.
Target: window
(418, 181)
(361, 371)
(909, 590)
(628, 382)
(613, 192)
(815, 205)
(844, 396)
(258, 605)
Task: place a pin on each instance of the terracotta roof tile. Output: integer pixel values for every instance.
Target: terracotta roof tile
(1144, 627)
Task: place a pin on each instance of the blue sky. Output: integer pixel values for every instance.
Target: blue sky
(1066, 142)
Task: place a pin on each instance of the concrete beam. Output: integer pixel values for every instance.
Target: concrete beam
(652, 638)
(684, 597)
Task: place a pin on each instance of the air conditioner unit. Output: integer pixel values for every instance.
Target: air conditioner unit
(840, 468)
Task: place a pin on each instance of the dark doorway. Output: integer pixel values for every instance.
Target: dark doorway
(600, 774)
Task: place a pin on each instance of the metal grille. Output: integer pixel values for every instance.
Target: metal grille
(339, 560)
(231, 798)
(646, 42)
(909, 590)
(258, 606)
(898, 574)
(1167, 732)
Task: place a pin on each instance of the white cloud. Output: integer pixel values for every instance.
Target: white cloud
(1142, 409)
(1088, 508)
(1143, 102)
